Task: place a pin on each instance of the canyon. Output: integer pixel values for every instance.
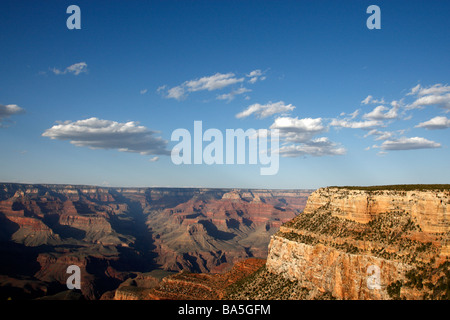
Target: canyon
(139, 235)
(346, 240)
(346, 243)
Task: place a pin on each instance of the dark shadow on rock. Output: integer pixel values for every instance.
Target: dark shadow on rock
(65, 232)
(140, 257)
(7, 228)
(212, 230)
(233, 224)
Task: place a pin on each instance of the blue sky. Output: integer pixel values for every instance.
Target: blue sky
(98, 105)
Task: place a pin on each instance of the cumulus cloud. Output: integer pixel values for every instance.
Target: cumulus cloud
(143, 91)
(370, 99)
(265, 110)
(214, 82)
(7, 111)
(437, 94)
(297, 136)
(230, 96)
(439, 100)
(106, 134)
(382, 113)
(348, 120)
(354, 114)
(435, 123)
(210, 83)
(177, 93)
(75, 69)
(436, 89)
(298, 130)
(255, 75)
(367, 100)
(367, 124)
(317, 148)
(409, 144)
(380, 135)
(414, 90)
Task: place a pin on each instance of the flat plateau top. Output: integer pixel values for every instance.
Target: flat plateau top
(400, 187)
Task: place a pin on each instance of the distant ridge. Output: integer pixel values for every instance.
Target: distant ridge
(82, 186)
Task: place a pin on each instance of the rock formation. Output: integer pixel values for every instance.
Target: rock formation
(209, 234)
(346, 234)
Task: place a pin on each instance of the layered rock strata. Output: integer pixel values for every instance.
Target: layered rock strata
(348, 237)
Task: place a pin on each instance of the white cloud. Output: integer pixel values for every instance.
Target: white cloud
(367, 100)
(74, 69)
(143, 91)
(265, 110)
(367, 124)
(440, 100)
(298, 125)
(318, 148)
(7, 111)
(437, 94)
(161, 88)
(211, 83)
(350, 122)
(230, 96)
(105, 134)
(214, 82)
(255, 75)
(414, 90)
(409, 144)
(435, 123)
(380, 135)
(370, 99)
(382, 113)
(154, 159)
(298, 130)
(352, 115)
(297, 138)
(176, 93)
(436, 89)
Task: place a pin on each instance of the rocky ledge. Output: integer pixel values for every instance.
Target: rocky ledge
(347, 237)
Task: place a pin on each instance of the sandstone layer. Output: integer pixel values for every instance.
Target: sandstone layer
(346, 235)
(429, 208)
